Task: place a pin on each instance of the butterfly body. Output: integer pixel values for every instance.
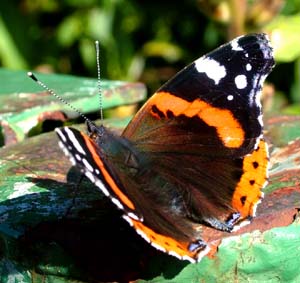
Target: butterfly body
(192, 157)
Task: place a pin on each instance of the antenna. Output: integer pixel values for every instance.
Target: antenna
(99, 80)
(33, 77)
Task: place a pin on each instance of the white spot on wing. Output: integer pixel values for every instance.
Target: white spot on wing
(258, 140)
(117, 203)
(143, 235)
(185, 257)
(133, 216)
(87, 165)
(260, 119)
(240, 81)
(74, 141)
(255, 208)
(127, 219)
(235, 45)
(72, 160)
(101, 186)
(248, 67)
(90, 176)
(255, 94)
(268, 52)
(158, 247)
(211, 68)
(230, 97)
(62, 146)
(61, 135)
(172, 253)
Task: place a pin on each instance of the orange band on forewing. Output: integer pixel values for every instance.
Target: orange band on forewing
(248, 191)
(228, 128)
(123, 198)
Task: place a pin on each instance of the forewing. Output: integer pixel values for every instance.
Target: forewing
(210, 108)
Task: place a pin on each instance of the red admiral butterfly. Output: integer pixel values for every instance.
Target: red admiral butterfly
(192, 157)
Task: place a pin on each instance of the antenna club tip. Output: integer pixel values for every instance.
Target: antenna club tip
(32, 76)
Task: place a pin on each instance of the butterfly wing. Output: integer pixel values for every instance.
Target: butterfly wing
(193, 156)
(203, 131)
(201, 126)
(212, 107)
(126, 177)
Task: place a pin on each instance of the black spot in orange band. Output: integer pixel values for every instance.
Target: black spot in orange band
(243, 200)
(122, 197)
(248, 191)
(230, 132)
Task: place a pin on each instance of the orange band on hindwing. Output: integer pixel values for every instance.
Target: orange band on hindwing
(168, 244)
(255, 173)
(228, 128)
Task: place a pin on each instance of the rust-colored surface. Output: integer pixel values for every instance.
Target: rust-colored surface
(9, 134)
(95, 235)
(52, 115)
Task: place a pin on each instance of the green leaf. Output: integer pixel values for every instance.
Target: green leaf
(166, 50)
(10, 55)
(285, 32)
(70, 29)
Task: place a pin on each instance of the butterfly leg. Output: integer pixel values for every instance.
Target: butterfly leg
(233, 219)
(219, 225)
(197, 245)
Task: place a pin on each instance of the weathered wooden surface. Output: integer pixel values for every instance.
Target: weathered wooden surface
(52, 229)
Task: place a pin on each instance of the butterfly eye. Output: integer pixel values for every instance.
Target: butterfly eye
(93, 136)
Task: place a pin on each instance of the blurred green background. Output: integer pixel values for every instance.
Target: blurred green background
(146, 41)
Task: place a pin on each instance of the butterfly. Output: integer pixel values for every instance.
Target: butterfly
(194, 155)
